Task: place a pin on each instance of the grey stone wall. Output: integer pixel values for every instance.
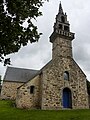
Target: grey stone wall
(26, 100)
(9, 90)
(61, 47)
(53, 84)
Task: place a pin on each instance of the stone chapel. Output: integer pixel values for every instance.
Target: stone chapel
(59, 84)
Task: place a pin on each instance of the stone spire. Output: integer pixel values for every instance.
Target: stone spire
(61, 26)
(62, 37)
(60, 8)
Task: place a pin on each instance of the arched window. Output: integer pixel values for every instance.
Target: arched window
(32, 89)
(66, 75)
(63, 19)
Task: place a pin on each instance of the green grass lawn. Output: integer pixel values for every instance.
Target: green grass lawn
(8, 112)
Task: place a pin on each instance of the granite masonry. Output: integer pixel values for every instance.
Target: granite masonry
(14, 78)
(60, 84)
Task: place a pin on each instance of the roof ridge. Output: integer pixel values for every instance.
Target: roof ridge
(21, 68)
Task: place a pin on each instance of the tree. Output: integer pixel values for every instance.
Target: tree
(13, 34)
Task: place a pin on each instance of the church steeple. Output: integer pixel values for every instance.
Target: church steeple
(60, 8)
(61, 36)
(62, 26)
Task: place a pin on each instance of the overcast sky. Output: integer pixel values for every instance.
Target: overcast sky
(36, 55)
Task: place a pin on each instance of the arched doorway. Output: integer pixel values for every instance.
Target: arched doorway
(67, 98)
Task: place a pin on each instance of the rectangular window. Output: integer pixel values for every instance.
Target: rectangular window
(32, 89)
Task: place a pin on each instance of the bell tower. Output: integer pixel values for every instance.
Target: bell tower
(61, 36)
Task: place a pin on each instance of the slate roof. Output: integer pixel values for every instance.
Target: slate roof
(19, 74)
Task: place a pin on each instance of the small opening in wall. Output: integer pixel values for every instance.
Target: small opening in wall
(66, 75)
(32, 89)
(60, 26)
(66, 28)
(63, 19)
